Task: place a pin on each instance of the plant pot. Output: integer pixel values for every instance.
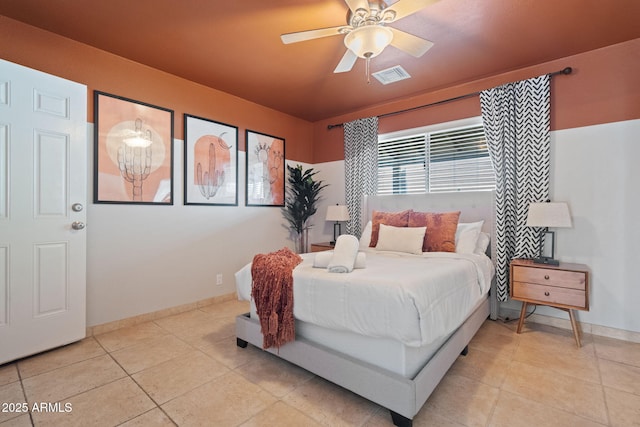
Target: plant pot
(302, 242)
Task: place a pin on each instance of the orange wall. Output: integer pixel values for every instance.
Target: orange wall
(100, 70)
(604, 87)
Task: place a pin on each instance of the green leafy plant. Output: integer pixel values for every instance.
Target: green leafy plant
(302, 196)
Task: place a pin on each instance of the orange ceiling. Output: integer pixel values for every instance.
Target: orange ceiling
(234, 45)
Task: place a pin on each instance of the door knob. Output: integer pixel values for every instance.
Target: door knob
(77, 225)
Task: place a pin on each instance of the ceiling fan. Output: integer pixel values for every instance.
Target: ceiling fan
(367, 34)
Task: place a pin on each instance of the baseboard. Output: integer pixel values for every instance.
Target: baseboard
(147, 317)
(586, 328)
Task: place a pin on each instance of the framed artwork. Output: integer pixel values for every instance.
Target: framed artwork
(265, 169)
(133, 153)
(210, 162)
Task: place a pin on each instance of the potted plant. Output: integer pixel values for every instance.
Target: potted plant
(302, 195)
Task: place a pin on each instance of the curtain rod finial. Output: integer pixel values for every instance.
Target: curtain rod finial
(567, 70)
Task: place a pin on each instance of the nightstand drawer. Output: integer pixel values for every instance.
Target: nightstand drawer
(548, 277)
(549, 294)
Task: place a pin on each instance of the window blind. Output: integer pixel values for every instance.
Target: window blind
(454, 159)
(401, 165)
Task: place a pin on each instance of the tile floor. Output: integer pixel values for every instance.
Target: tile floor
(186, 370)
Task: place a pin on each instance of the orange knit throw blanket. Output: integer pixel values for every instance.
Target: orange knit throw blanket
(272, 291)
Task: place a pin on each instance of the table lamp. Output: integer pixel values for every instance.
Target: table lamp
(337, 213)
(545, 215)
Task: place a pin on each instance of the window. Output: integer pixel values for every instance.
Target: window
(441, 158)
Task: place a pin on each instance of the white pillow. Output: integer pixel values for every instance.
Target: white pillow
(467, 236)
(482, 244)
(365, 238)
(401, 239)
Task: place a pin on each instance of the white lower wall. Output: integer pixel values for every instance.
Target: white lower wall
(595, 170)
(146, 258)
(143, 258)
(331, 173)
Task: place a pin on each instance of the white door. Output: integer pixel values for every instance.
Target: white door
(43, 175)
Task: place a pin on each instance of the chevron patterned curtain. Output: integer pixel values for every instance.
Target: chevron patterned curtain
(361, 167)
(516, 120)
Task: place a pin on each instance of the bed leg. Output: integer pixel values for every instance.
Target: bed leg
(400, 421)
(241, 343)
(465, 350)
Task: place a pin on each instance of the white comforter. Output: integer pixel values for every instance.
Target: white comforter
(414, 299)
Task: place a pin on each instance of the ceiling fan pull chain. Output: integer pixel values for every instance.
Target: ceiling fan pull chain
(367, 70)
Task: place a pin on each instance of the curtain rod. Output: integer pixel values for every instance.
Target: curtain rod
(565, 71)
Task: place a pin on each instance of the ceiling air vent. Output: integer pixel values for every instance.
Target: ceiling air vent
(391, 75)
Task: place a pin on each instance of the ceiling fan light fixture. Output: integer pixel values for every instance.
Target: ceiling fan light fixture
(366, 34)
(368, 41)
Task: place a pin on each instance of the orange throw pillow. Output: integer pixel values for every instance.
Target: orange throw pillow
(396, 219)
(441, 229)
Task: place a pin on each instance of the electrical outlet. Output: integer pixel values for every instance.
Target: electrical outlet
(219, 279)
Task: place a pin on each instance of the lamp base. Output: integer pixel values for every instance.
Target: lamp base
(337, 230)
(546, 261)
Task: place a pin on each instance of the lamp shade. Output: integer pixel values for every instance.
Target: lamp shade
(337, 213)
(368, 41)
(551, 214)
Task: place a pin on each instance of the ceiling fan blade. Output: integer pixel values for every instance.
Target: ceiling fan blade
(406, 7)
(357, 4)
(409, 43)
(301, 36)
(347, 62)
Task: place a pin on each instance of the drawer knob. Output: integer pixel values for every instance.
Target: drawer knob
(546, 294)
(546, 277)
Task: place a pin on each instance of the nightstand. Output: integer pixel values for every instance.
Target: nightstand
(565, 287)
(319, 247)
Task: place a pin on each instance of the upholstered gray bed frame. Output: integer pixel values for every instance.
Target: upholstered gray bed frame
(402, 396)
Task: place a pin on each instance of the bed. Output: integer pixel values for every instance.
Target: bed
(396, 370)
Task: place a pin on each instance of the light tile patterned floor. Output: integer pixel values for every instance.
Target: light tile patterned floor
(186, 370)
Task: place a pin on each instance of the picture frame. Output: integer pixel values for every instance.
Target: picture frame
(210, 162)
(265, 169)
(133, 151)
